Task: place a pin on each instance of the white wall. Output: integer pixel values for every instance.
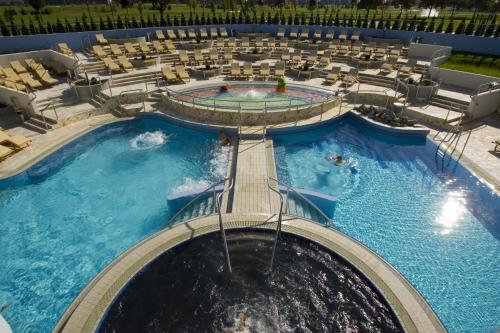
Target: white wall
(22, 99)
(484, 104)
(424, 51)
(466, 80)
(45, 57)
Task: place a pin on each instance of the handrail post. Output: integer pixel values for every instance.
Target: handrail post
(265, 123)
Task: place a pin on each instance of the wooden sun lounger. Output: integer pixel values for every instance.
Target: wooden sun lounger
(325, 58)
(191, 34)
(285, 55)
(167, 74)
(115, 50)
(247, 70)
(329, 35)
(129, 48)
(17, 67)
(228, 54)
(219, 42)
(64, 49)
(198, 57)
(125, 63)
(33, 65)
(213, 56)
(111, 65)
(317, 34)
(343, 35)
(29, 81)
(159, 35)
(355, 35)
(98, 51)
(258, 42)
(304, 34)
(203, 33)
(5, 152)
(45, 77)
(171, 34)
(283, 43)
(182, 74)
(235, 70)
(333, 75)
(271, 43)
(11, 75)
(12, 85)
(293, 34)
(181, 33)
(157, 46)
(350, 78)
(264, 71)
(389, 65)
(16, 141)
(169, 45)
(183, 57)
(311, 58)
(100, 39)
(245, 42)
(223, 32)
(409, 68)
(143, 46)
(281, 33)
(297, 56)
(213, 33)
(231, 42)
(2, 74)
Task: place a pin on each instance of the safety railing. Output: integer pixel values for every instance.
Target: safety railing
(221, 223)
(280, 219)
(49, 106)
(489, 86)
(130, 92)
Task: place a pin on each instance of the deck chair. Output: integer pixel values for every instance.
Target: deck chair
(159, 35)
(245, 42)
(497, 146)
(98, 51)
(18, 142)
(228, 55)
(198, 57)
(219, 42)
(235, 70)
(271, 43)
(11, 75)
(408, 68)
(115, 50)
(355, 35)
(45, 77)
(351, 78)
(280, 33)
(396, 50)
(356, 48)
(182, 74)
(167, 74)
(297, 56)
(125, 63)
(231, 42)
(157, 46)
(283, 43)
(181, 33)
(2, 74)
(111, 65)
(29, 81)
(171, 34)
(370, 46)
(213, 56)
(389, 65)
(247, 70)
(317, 34)
(264, 70)
(129, 48)
(33, 65)
(213, 33)
(279, 69)
(183, 57)
(223, 32)
(329, 35)
(304, 34)
(5, 152)
(285, 55)
(192, 34)
(258, 42)
(64, 49)
(12, 85)
(325, 58)
(100, 39)
(203, 33)
(334, 45)
(312, 57)
(169, 45)
(344, 47)
(343, 34)
(293, 34)
(333, 75)
(144, 48)
(17, 67)
(381, 50)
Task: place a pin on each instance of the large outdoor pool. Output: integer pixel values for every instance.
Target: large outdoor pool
(70, 215)
(441, 230)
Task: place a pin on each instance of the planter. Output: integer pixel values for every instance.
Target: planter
(312, 46)
(143, 62)
(253, 57)
(206, 73)
(85, 92)
(194, 46)
(423, 91)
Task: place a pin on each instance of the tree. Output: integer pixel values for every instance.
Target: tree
(9, 14)
(140, 7)
(125, 4)
(369, 4)
(312, 4)
(37, 6)
(160, 5)
(405, 4)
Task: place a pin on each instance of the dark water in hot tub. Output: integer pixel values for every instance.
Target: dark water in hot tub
(188, 289)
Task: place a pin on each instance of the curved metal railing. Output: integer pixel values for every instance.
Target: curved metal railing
(278, 227)
(218, 203)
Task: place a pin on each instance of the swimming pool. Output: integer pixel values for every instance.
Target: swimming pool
(441, 230)
(68, 216)
(252, 96)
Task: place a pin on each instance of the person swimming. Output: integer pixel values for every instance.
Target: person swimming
(337, 160)
(224, 139)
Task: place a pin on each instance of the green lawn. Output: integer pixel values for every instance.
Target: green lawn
(474, 63)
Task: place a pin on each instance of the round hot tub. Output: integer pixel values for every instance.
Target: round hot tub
(250, 103)
(189, 289)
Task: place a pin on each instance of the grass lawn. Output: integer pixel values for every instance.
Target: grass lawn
(474, 63)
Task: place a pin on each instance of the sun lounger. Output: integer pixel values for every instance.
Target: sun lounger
(213, 33)
(115, 50)
(11, 75)
(192, 34)
(409, 68)
(12, 85)
(214, 56)
(228, 55)
(64, 49)
(2, 74)
(245, 42)
(198, 57)
(283, 43)
(304, 34)
(329, 35)
(182, 34)
(312, 57)
(293, 34)
(355, 35)
(317, 34)
(264, 71)
(343, 35)
(334, 45)
(350, 78)
(285, 55)
(143, 46)
(182, 74)
(333, 75)
(157, 46)
(167, 74)
(219, 42)
(271, 43)
(17, 67)
(258, 42)
(159, 35)
(169, 45)
(171, 34)
(33, 65)
(183, 57)
(231, 42)
(129, 48)
(29, 81)
(125, 63)
(203, 33)
(325, 58)
(100, 39)
(280, 33)
(247, 70)
(297, 56)
(279, 69)
(223, 32)
(16, 141)
(111, 65)
(98, 51)
(497, 146)
(235, 70)
(45, 77)
(5, 152)
(389, 65)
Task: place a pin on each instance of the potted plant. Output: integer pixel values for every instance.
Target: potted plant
(281, 85)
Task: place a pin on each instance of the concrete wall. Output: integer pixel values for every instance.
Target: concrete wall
(46, 57)
(469, 81)
(484, 104)
(424, 51)
(487, 45)
(22, 99)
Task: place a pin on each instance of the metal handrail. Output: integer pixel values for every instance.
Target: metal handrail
(221, 224)
(45, 109)
(290, 188)
(208, 189)
(280, 218)
(489, 85)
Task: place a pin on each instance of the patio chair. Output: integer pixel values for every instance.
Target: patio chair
(64, 49)
(115, 50)
(167, 74)
(159, 35)
(351, 78)
(235, 70)
(264, 71)
(29, 81)
(325, 58)
(100, 39)
(17, 67)
(125, 63)
(129, 48)
(171, 34)
(247, 70)
(333, 75)
(182, 74)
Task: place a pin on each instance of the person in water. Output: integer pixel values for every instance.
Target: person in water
(337, 160)
(224, 139)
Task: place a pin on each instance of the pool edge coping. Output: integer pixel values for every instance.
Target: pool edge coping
(86, 311)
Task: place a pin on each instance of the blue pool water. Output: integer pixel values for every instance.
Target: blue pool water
(68, 216)
(439, 228)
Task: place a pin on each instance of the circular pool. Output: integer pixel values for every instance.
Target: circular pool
(188, 289)
(250, 103)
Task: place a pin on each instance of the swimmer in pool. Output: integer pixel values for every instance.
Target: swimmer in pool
(337, 160)
(224, 139)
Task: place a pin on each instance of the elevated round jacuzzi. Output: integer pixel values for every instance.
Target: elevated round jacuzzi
(250, 103)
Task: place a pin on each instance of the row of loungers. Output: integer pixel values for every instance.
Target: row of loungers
(264, 70)
(180, 74)
(10, 144)
(130, 49)
(192, 34)
(19, 77)
(330, 34)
